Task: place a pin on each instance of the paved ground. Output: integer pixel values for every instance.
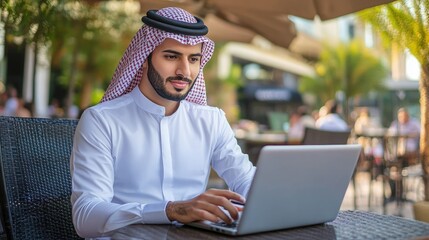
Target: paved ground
(404, 209)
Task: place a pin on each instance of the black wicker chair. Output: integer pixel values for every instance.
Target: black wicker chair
(35, 177)
(2, 228)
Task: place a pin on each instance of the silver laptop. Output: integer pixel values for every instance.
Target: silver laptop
(294, 186)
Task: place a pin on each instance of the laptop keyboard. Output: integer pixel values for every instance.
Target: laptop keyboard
(227, 225)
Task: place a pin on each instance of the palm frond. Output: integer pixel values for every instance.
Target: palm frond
(404, 23)
(347, 67)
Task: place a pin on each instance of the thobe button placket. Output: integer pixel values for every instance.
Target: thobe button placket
(167, 183)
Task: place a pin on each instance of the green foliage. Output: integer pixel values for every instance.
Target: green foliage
(405, 23)
(96, 96)
(32, 20)
(86, 41)
(99, 35)
(235, 76)
(350, 68)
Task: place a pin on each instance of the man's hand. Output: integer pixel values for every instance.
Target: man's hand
(205, 207)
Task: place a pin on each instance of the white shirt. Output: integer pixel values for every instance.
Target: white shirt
(129, 160)
(332, 122)
(11, 106)
(411, 128)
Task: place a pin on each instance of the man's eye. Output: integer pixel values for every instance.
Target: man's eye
(195, 59)
(172, 57)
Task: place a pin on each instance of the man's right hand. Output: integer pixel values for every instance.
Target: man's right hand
(205, 206)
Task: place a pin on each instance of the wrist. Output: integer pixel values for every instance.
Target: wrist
(169, 211)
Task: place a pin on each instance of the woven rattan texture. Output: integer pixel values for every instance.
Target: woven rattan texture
(35, 163)
(347, 225)
(364, 225)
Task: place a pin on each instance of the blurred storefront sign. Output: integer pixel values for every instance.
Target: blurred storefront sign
(268, 104)
(271, 94)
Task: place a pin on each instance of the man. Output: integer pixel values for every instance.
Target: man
(410, 127)
(331, 121)
(144, 154)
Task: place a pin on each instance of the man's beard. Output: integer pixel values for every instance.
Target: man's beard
(158, 84)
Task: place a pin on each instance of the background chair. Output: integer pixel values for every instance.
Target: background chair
(2, 228)
(35, 177)
(314, 136)
(402, 172)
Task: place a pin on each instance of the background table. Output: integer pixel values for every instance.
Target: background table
(252, 143)
(348, 225)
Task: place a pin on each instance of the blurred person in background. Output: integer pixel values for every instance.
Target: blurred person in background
(364, 126)
(330, 119)
(22, 110)
(12, 102)
(54, 109)
(364, 122)
(410, 128)
(402, 145)
(299, 120)
(3, 99)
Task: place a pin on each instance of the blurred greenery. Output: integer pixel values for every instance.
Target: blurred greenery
(347, 67)
(222, 93)
(85, 41)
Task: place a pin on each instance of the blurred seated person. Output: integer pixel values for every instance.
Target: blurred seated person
(365, 122)
(12, 102)
(372, 147)
(54, 110)
(23, 109)
(408, 126)
(331, 119)
(406, 147)
(299, 119)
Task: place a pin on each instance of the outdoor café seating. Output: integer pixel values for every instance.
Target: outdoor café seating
(314, 136)
(399, 169)
(35, 177)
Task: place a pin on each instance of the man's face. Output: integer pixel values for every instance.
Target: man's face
(173, 68)
(403, 117)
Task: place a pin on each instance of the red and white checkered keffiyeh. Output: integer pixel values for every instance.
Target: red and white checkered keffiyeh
(129, 71)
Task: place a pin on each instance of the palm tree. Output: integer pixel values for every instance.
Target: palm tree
(406, 23)
(349, 68)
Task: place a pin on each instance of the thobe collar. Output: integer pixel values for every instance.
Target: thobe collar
(147, 105)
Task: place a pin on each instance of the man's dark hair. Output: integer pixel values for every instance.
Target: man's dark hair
(331, 106)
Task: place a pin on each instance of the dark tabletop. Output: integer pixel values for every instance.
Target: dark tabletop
(348, 225)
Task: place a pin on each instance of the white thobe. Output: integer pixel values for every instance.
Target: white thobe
(129, 160)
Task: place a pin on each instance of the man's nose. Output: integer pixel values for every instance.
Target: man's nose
(184, 69)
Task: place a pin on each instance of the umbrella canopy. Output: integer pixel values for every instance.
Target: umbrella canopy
(329, 9)
(241, 20)
(236, 25)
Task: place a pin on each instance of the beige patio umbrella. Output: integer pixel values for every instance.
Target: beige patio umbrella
(239, 26)
(241, 20)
